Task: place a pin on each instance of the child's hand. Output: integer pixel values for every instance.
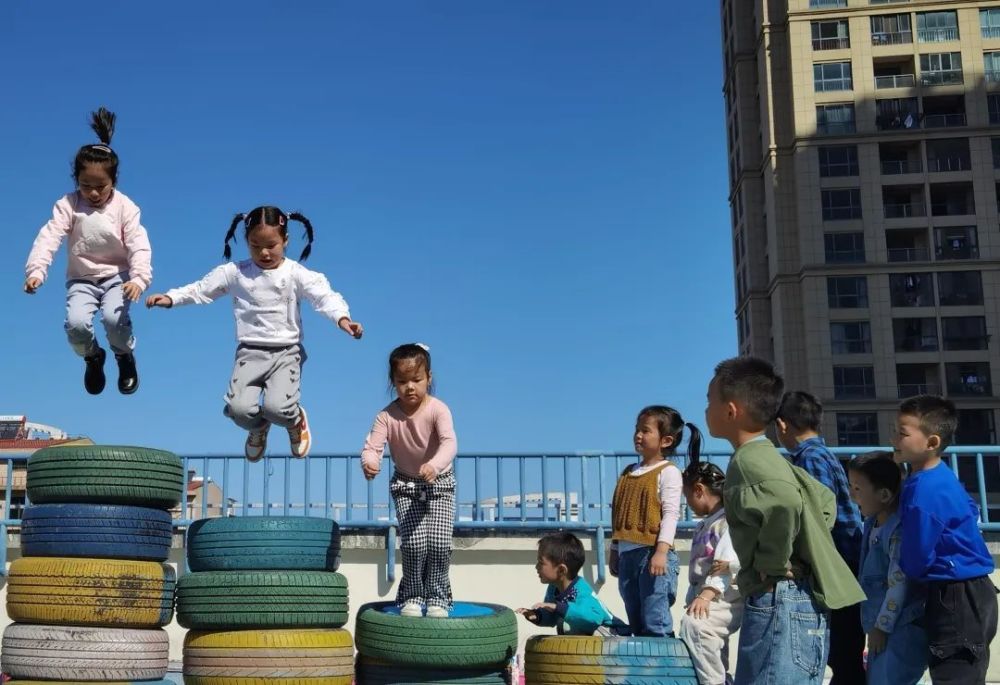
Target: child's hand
(353, 328)
(370, 470)
(544, 605)
(159, 301)
(699, 607)
(719, 568)
(658, 564)
(613, 563)
(877, 640)
(132, 291)
(427, 472)
(529, 614)
(32, 284)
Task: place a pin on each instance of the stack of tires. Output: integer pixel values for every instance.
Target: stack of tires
(264, 603)
(91, 592)
(473, 646)
(575, 660)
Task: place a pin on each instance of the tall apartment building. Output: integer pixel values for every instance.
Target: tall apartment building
(864, 163)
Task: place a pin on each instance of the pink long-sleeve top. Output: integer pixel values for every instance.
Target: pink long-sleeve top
(427, 437)
(101, 241)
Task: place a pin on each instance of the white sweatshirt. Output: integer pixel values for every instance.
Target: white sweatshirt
(266, 301)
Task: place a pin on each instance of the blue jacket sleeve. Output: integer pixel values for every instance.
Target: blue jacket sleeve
(546, 617)
(921, 532)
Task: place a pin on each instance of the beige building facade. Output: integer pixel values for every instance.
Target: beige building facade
(864, 165)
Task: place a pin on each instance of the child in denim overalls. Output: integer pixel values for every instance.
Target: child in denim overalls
(897, 644)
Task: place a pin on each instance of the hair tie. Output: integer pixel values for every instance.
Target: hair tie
(281, 220)
(101, 146)
(425, 348)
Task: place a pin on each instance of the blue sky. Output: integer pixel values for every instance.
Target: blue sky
(536, 190)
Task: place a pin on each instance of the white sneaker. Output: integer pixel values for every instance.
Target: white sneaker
(256, 444)
(435, 611)
(412, 609)
(299, 437)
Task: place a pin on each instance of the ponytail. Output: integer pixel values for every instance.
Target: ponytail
(103, 123)
(694, 444)
(231, 235)
(297, 216)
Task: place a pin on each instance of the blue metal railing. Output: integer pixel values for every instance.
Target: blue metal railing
(525, 493)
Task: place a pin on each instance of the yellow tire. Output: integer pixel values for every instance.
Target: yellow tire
(90, 592)
(288, 657)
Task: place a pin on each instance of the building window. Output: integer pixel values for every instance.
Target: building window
(993, 104)
(968, 379)
(891, 29)
(960, 288)
(911, 290)
(835, 119)
(827, 3)
(941, 68)
(847, 292)
(832, 76)
(850, 337)
(854, 382)
(841, 204)
(991, 66)
(897, 113)
(956, 242)
(964, 333)
(989, 21)
(937, 27)
(838, 160)
(844, 248)
(831, 35)
(915, 335)
(976, 427)
(857, 429)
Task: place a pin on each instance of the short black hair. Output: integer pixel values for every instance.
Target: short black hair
(880, 469)
(937, 416)
(410, 352)
(563, 548)
(801, 410)
(752, 382)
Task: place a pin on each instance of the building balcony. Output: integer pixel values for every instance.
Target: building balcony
(944, 120)
(892, 38)
(914, 389)
(904, 211)
(946, 164)
(896, 81)
(836, 43)
(917, 343)
(967, 342)
(901, 166)
(938, 35)
(908, 254)
(827, 3)
(836, 128)
(951, 77)
(964, 252)
(990, 32)
(992, 76)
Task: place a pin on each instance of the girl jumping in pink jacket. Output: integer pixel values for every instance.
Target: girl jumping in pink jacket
(109, 259)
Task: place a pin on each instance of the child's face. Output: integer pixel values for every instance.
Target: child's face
(912, 445)
(95, 184)
(700, 499)
(647, 439)
(870, 500)
(267, 246)
(411, 381)
(548, 571)
(719, 415)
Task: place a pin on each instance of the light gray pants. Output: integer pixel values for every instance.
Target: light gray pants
(83, 299)
(708, 640)
(273, 372)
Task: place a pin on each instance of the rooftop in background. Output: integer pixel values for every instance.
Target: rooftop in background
(18, 435)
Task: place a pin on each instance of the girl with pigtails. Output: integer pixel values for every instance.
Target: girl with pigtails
(266, 290)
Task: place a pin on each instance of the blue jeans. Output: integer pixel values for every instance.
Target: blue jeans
(784, 639)
(904, 660)
(648, 598)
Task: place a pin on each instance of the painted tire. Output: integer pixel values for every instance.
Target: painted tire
(375, 672)
(231, 600)
(475, 635)
(572, 660)
(277, 655)
(289, 543)
(96, 531)
(105, 474)
(62, 653)
(91, 682)
(90, 592)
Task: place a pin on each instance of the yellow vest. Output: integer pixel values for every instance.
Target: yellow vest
(635, 508)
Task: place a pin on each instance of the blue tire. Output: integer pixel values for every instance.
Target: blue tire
(264, 543)
(98, 531)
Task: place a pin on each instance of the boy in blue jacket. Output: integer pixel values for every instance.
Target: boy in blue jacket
(943, 547)
(570, 603)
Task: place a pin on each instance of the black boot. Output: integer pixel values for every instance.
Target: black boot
(128, 377)
(93, 379)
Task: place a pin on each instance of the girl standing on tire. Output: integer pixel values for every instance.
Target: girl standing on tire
(267, 288)
(421, 437)
(714, 606)
(109, 261)
(644, 511)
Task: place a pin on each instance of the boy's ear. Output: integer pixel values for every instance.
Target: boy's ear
(733, 411)
(884, 495)
(782, 426)
(563, 569)
(934, 442)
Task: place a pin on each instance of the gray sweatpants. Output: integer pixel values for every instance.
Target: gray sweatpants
(273, 372)
(83, 299)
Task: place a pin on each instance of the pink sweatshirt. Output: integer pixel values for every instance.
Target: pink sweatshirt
(103, 241)
(427, 437)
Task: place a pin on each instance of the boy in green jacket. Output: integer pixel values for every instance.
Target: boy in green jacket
(779, 522)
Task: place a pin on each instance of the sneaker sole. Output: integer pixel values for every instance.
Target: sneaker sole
(307, 441)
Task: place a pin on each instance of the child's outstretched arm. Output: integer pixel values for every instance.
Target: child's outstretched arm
(140, 254)
(326, 301)
(46, 244)
(210, 288)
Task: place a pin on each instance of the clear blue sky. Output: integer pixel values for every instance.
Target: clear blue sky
(537, 190)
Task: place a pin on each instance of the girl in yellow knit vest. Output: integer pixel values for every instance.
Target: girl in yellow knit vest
(644, 512)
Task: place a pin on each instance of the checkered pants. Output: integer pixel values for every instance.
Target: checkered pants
(426, 513)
